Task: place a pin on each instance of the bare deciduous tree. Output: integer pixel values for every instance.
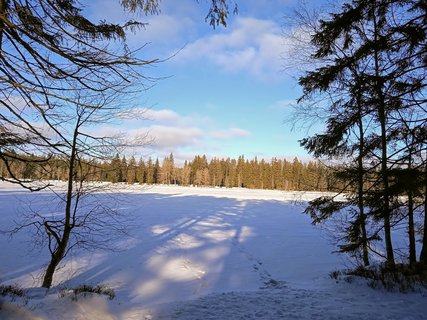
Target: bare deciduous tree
(60, 74)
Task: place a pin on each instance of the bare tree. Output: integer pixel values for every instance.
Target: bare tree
(61, 74)
(86, 215)
(48, 51)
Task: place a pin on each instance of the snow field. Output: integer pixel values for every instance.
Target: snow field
(197, 253)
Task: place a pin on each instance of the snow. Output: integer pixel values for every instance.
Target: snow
(195, 253)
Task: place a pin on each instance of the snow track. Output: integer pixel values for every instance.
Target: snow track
(256, 264)
(291, 303)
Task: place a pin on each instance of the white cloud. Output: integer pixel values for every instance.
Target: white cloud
(165, 130)
(157, 138)
(170, 130)
(230, 133)
(250, 45)
(162, 116)
(165, 137)
(144, 117)
(168, 117)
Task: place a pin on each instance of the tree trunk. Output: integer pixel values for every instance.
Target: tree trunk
(59, 252)
(360, 190)
(411, 230)
(382, 116)
(2, 13)
(411, 227)
(54, 262)
(423, 255)
(386, 188)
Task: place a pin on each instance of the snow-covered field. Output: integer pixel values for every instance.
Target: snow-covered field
(196, 253)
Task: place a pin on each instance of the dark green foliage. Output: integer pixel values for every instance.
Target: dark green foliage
(12, 290)
(322, 208)
(219, 11)
(372, 75)
(401, 277)
(147, 6)
(99, 289)
(14, 293)
(404, 180)
(354, 240)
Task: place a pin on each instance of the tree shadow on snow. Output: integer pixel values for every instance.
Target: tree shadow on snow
(183, 247)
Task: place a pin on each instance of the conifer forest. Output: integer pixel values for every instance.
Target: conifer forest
(255, 174)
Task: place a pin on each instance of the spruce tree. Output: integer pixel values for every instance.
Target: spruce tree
(372, 71)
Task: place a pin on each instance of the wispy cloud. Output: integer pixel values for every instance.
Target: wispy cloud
(169, 131)
(250, 45)
(162, 116)
(168, 117)
(230, 134)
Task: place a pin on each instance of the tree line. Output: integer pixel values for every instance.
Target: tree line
(279, 174)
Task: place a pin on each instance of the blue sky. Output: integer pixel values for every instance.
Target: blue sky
(224, 93)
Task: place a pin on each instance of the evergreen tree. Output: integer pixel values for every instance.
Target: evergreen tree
(123, 170)
(141, 171)
(240, 172)
(150, 172)
(166, 174)
(132, 173)
(156, 172)
(117, 173)
(372, 72)
(185, 174)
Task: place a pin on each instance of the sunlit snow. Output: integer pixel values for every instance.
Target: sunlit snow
(196, 253)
